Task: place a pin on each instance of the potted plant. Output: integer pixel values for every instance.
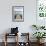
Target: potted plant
(39, 35)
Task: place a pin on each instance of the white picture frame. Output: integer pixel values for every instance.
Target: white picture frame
(17, 13)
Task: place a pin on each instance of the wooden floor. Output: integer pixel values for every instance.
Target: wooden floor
(13, 44)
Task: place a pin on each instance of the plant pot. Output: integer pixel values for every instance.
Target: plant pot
(38, 40)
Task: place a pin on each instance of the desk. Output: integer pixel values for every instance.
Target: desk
(8, 34)
(17, 43)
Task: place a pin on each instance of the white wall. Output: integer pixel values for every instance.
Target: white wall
(6, 15)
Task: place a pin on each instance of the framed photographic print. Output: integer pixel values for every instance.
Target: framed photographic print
(17, 13)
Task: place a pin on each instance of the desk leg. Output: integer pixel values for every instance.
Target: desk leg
(5, 43)
(5, 40)
(17, 40)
